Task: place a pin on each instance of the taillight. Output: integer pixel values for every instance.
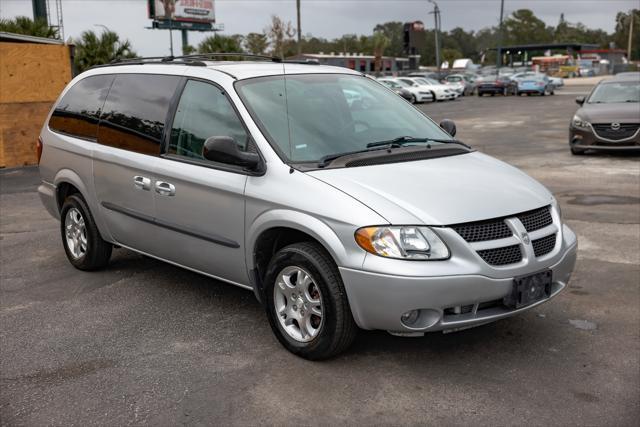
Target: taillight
(39, 149)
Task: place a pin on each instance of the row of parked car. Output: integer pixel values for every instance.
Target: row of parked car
(428, 87)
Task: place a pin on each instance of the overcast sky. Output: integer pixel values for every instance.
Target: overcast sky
(324, 18)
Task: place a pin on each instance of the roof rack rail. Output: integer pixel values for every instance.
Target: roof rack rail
(197, 58)
(225, 54)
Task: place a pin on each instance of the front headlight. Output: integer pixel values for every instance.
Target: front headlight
(408, 242)
(577, 122)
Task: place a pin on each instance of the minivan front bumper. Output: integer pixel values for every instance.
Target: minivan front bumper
(446, 302)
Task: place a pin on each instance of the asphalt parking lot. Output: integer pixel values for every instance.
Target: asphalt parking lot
(144, 342)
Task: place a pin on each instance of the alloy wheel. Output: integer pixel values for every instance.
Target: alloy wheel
(75, 233)
(298, 304)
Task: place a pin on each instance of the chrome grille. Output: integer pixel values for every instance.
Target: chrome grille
(482, 231)
(501, 256)
(536, 219)
(544, 245)
(625, 130)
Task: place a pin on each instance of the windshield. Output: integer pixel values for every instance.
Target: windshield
(610, 93)
(389, 83)
(311, 116)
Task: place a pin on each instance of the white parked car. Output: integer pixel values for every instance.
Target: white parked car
(440, 92)
(419, 93)
(556, 81)
(457, 83)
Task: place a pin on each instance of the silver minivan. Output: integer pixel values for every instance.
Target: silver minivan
(338, 211)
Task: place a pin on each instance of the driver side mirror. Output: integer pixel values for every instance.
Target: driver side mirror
(580, 100)
(449, 126)
(224, 149)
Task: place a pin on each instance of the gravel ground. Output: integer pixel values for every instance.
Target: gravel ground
(144, 342)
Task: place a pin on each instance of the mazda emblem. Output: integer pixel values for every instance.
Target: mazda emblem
(615, 126)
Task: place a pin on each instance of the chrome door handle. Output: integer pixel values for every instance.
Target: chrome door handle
(165, 189)
(142, 182)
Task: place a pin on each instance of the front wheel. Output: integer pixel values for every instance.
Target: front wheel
(413, 99)
(85, 248)
(306, 302)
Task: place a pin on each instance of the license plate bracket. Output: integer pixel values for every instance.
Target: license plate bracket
(529, 289)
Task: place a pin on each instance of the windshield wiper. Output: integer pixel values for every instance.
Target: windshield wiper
(325, 160)
(384, 145)
(403, 140)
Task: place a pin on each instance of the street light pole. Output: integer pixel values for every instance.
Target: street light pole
(499, 47)
(436, 16)
(299, 31)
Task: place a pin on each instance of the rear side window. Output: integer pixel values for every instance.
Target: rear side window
(133, 116)
(78, 111)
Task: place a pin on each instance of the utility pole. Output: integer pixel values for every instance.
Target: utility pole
(436, 17)
(171, 33)
(299, 31)
(630, 37)
(499, 47)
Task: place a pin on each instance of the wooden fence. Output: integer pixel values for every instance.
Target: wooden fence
(31, 78)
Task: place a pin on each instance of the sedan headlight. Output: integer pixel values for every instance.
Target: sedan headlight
(579, 123)
(408, 242)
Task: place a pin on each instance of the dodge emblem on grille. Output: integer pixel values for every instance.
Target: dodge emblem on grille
(525, 238)
(615, 126)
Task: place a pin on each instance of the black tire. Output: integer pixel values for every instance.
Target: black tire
(338, 329)
(433, 97)
(480, 94)
(413, 99)
(577, 151)
(98, 252)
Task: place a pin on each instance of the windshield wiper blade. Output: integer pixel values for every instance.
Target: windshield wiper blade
(325, 160)
(402, 140)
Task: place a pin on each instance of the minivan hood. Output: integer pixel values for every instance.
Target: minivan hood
(619, 112)
(440, 191)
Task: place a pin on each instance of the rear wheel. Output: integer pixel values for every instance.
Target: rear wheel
(306, 302)
(85, 248)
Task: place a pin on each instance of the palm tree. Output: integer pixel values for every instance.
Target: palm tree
(380, 43)
(217, 44)
(93, 50)
(29, 27)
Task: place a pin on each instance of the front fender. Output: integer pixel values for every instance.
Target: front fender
(308, 224)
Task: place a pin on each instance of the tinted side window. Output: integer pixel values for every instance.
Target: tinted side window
(78, 111)
(204, 111)
(134, 114)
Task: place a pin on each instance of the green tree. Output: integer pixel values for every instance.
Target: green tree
(394, 32)
(450, 55)
(92, 49)
(218, 44)
(256, 43)
(379, 42)
(621, 35)
(28, 27)
(523, 27)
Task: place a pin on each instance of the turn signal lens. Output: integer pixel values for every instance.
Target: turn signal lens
(409, 243)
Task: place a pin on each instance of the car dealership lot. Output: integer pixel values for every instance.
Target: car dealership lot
(147, 343)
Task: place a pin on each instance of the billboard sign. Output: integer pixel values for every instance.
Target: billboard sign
(197, 11)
